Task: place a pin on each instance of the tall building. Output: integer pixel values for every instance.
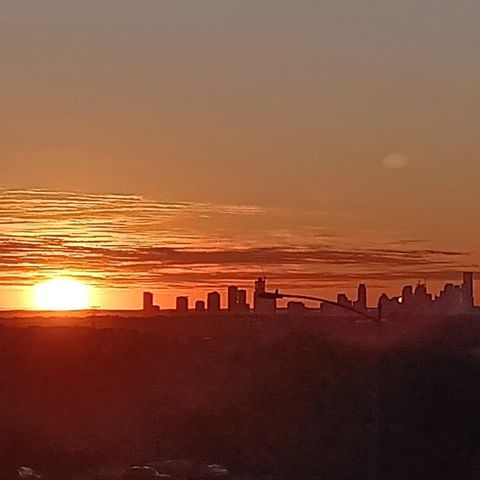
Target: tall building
(467, 289)
(384, 305)
(213, 302)
(200, 306)
(362, 295)
(407, 295)
(242, 301)
(423, 299)
(182, 305)
(237, 300)
(361, 303)
(232, 298)
(263, 306)
(452, 300)
(147, 301)
(148, 307)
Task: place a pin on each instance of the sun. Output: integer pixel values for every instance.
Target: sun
(61, 294)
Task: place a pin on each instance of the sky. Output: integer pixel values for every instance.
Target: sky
(183, 145)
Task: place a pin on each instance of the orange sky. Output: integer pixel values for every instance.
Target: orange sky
(122, 244)
(210, 140)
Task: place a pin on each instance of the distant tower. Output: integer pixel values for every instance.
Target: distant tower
(361, 303)
(407, 295)
(232, 298)
(200, 306)
(182, 305)
(467, 289)
(149, 309)
(213, 302)
(383, 304)
(260, 285)
(147, 301)
(264, 306)
(242, 301)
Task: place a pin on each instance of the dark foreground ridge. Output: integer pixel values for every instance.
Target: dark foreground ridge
(285, 402)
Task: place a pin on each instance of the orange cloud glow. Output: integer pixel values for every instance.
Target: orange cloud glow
(126, 241)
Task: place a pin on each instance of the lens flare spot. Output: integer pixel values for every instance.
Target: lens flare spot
(395, 161)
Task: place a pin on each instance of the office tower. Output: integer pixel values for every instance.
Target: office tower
(232, 298)
(467, 289)
(361, 302)
(362, 295)
(200, 306)
(383, 305)
(263, 306)
(407, 294)
(182, 305)
(242, 300)
(148, 307)
(147, 301)
(260, 285)
(259, 289)
(421, 296)
(213, 302)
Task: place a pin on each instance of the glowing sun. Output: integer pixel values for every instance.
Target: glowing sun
(61, 294)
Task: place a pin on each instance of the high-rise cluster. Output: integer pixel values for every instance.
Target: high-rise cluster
(453, 299)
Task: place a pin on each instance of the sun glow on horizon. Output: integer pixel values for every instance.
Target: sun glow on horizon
(61, 294)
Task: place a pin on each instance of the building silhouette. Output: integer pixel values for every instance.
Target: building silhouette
(467, 289)
(213, 302)
(232, 298)
(263, 306)
(237, 300)
(407, 295)
(361, 303)
(199, 306)
(452, 300)
(243, 306)
(149, 308)
(182, 305)
(147, 301)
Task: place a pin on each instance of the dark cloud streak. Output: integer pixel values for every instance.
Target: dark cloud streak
(115, 240)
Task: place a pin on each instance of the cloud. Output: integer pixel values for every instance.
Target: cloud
(129, 241)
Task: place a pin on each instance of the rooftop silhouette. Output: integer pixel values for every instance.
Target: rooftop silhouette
(453, 299)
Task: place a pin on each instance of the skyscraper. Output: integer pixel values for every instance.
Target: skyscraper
(147, 301)
(200, 306)
(407, 295)
(213, 302)
(467, 289)
(264, 306)
(232, 298)
(242, 301)
(149, 309)
(361, 303)
(182, 305)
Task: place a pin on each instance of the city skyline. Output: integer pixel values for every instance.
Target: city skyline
(452, 299)
(120, 245)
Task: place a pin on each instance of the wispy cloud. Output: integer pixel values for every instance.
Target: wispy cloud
(127, 240)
